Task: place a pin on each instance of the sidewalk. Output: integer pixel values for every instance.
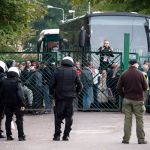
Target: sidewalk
(91, 131)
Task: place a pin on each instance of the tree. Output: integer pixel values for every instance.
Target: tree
(51, 19)
(140, 6)
(15, 19)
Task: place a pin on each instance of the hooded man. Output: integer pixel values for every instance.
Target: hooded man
(2, 77)
(64, 87)
(11, 93)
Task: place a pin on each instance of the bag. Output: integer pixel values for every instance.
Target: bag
(13, 125)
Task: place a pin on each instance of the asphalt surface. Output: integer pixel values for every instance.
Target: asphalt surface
(91, 131)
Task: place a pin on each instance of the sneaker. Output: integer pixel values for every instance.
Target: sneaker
(125, 142)
(56, 138)
(65, 138)
(47, 112)
(23, 138)
(10, 138)
(142, 142)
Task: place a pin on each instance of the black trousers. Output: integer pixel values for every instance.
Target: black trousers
(1, 116)
(9, 111)
(63, 110)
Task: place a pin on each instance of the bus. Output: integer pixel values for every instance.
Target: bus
(48, 42)
(89, 31)
(85, 35)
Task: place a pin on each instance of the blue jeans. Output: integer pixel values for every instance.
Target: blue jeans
(87, 98)
(46, 96)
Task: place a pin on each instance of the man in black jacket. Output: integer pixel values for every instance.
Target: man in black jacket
(11, 93)
(65, 87)
(2, 77)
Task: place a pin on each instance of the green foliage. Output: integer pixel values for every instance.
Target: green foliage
(51, 19)
(21, 20)
(140, 6)
(15, 18)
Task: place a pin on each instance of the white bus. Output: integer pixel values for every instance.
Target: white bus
(48, 42)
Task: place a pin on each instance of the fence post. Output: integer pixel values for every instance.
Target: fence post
(137, 56)
(126, 50)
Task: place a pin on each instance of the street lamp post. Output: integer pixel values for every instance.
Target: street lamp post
(73, 12)
(49, 6)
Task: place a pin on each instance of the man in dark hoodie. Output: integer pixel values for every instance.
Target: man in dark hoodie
(2, 77)
(65, 87)
(11, 93)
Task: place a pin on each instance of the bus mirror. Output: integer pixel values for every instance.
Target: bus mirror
(82, 37)
(149, 24)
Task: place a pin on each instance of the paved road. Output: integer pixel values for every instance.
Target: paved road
(91, 131)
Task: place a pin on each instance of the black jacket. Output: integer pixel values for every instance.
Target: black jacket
(11, 91)
(105, 52)
(65, 84)
(2, 77)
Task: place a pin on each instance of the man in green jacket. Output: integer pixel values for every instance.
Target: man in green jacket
(131, 87)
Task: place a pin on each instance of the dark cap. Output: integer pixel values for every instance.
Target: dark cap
(133, 61)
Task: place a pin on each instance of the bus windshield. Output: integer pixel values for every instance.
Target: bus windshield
(48, 40)
(113, 29)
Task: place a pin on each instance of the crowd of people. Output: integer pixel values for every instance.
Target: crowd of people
(35, 84)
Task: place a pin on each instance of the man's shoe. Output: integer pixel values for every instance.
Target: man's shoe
(10, 138)
(125, 142)
(22, 138)
(65, 138)
(56, 138)
(142, 142)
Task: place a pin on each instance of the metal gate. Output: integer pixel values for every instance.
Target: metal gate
(145, 60)
(36, 70)
(98, 95)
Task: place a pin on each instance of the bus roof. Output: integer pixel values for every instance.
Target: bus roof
(48, 31)
(132, 14)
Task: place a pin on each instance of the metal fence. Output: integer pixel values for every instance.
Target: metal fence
(99, 92)
(36, 71)
(145, 67)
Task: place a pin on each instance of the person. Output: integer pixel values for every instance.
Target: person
(78, 104)
(96, 82)
(64, 87)
(131, 86)
(144, 71)
(87, 80)
(47, 73)
(2, 77)
(11, 91)
(103, 89)
(105, 52)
